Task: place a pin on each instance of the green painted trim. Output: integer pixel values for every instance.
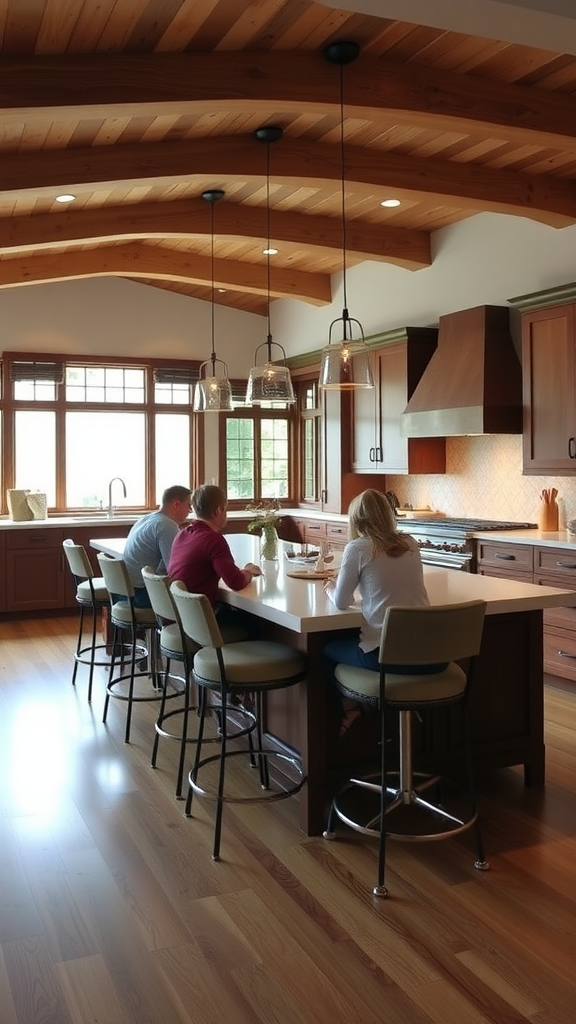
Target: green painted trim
(373, 341)
(550, 297)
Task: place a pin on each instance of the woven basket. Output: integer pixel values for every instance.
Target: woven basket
(37, 503)
(18, 507)
(24, 505)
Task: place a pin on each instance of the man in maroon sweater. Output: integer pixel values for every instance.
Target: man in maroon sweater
(201, 556)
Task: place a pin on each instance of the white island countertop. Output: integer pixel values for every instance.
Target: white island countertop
(302, 606)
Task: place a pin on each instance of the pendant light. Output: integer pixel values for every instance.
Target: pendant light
(346, 364)
(269, 382)
(212, 393)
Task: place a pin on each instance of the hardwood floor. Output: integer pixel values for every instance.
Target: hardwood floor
(112, 911)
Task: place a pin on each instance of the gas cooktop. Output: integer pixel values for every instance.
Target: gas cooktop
(469, 525)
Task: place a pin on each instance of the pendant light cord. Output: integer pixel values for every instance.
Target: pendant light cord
(343, 200)
(213, 356)
(269, 337)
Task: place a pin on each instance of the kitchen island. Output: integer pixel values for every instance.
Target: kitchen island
(507, 716)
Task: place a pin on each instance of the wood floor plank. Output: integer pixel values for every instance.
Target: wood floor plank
(89, 991)
(34, 983)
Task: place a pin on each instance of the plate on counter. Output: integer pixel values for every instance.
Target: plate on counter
(312, 574)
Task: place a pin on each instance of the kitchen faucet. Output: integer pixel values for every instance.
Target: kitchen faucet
(110, 505)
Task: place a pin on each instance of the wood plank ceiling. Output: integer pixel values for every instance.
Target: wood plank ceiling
(137, 106)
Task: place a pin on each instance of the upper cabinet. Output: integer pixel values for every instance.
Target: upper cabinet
(377, 444)
(549, 386)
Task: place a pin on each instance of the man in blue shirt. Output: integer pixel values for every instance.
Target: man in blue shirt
(150, 539)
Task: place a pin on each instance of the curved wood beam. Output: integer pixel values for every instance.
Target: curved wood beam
(548, 200)
(146, 261)
(97, 85)
(186, 219)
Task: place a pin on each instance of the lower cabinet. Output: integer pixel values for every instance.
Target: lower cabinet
(35, 578)
(317, 531)
(556, 567)
(2, 571)
(549, 567)
(34, 573)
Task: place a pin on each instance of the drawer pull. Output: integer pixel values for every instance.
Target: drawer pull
(564, 654)
(506, 558)
(567, 565)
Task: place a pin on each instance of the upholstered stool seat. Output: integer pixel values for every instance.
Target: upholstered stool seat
(91, 593)
(127, 618)
(174, 645)
(404, 804)
(229, 669)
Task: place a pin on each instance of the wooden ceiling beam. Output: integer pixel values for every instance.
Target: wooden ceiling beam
(146, 261)
(185, 219)
(101, 85)
(548, 200)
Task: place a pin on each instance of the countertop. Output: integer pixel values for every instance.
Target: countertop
(555, 539)
(101, 519)
(540, 537)
(302, 606)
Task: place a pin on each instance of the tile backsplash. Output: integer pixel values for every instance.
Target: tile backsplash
(484, 480)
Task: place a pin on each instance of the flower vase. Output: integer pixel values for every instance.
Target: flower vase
(269, 544)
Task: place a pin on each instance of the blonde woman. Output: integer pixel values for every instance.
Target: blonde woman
(385, 568)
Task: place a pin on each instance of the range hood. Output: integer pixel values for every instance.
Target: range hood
(473, 382)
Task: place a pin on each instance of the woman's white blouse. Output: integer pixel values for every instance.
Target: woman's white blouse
(381, 582)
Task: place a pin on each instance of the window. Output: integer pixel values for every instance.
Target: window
(256, 453)
(69, 426)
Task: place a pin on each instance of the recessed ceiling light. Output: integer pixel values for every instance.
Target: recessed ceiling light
(391, 202)
(65, 199)
(270, 252)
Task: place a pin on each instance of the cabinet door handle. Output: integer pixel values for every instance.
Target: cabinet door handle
(379, 454)
(566, 565)
(506, 558)
(372, 455)
(565, 654)
(572, 447)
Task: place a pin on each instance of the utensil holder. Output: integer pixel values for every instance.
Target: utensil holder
(548, 518)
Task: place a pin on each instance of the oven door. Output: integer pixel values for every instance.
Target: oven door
(462, 561)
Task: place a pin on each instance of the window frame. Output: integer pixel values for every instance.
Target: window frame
(60, 406)
(257, 413)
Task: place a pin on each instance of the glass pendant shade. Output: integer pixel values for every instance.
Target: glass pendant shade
(346, 364)
(269, 382)
(213, 394)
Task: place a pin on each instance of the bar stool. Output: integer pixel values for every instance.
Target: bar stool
(256, 666)
(127, 618)
(392, 804)
(91, 594)
(174, 645)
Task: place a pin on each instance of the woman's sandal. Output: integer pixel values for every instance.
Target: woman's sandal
(351, 715)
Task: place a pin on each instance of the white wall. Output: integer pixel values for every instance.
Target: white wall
(112, 316)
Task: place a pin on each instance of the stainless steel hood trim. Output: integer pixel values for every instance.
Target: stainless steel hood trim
(459, 422)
